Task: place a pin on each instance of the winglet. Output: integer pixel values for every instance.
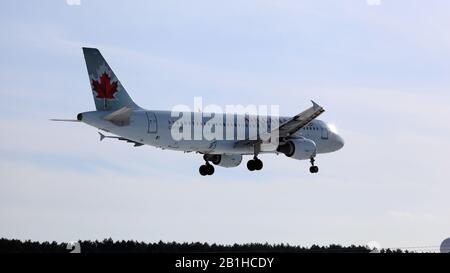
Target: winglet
(315, 105)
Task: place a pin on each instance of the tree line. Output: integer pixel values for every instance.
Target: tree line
(111, 246)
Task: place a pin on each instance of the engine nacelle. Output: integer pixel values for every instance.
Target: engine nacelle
(226, 161)
(299, 149)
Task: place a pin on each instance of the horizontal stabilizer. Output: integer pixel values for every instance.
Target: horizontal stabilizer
(69, 120)
(102, 136)
(136, 144)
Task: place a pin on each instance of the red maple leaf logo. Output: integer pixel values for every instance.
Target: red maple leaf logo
(104, 87)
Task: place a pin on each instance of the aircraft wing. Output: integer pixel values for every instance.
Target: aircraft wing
(295, 123)
(290, 126)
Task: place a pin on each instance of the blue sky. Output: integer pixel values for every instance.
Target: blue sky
(381, 72)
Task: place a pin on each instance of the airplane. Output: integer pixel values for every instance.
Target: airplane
(300, 137)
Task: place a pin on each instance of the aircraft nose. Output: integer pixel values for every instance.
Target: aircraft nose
(340, 141)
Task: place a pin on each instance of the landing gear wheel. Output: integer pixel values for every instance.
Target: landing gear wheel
(203, 170)
(313, 169)
(254, 164)
(209, 169)
(251, 166)
(206, 169)
(258, 164)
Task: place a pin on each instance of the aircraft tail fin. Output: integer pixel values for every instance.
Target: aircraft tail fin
(108, 92)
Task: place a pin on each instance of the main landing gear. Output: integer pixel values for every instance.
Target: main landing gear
(313, 168)
(206, 169)
(254, 164)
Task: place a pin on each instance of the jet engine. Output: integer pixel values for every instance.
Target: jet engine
(299, 149)
(226, 161)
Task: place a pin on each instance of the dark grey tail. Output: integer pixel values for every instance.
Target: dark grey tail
(109, 94)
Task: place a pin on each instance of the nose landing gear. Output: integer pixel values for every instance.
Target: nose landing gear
(313, 168)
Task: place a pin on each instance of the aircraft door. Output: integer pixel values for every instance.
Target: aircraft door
(152, 123)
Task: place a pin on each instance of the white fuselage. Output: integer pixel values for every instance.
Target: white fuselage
(154, 128)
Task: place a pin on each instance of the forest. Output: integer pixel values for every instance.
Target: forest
(111, 246)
